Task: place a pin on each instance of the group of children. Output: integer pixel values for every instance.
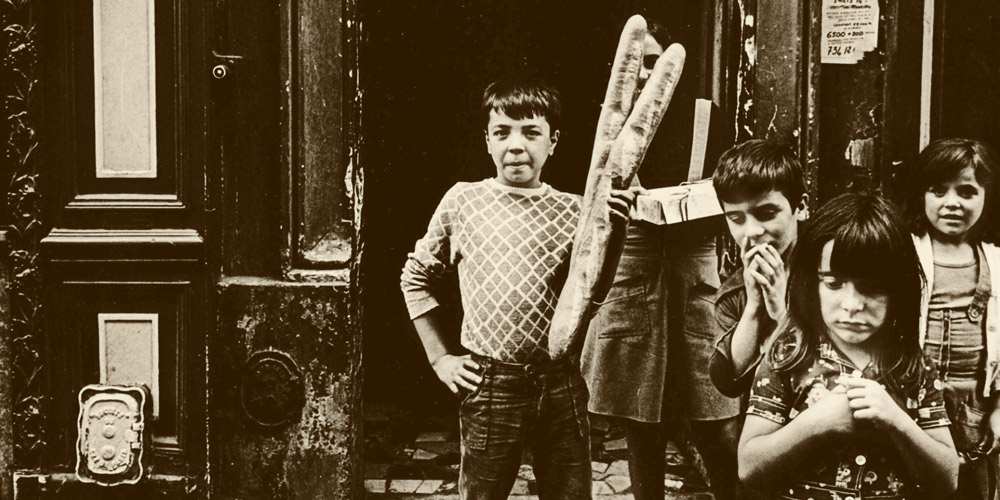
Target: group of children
(862, 341)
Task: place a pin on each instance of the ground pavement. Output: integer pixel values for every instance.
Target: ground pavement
(406, 459)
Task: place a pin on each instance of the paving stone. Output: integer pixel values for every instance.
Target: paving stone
(672, 484)
(429, 486)
(404, 485)
(601, 488)
(440, 447)
(615, 444)
(618, 468)
(433, 437)
(422, 454)
(599, 467)
(375, 470)
(671, 448)
(448, 487)
(520, 487)
(526, 473)
(408, 470)
(447, 459)
(618, 483)
(600, 424)
(673, 477)
(375, 485)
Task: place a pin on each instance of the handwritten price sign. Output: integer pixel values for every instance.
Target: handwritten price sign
(850, 29)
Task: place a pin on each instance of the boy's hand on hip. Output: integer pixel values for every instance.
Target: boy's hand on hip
(870, 402)
(768, 270)
(457, 371)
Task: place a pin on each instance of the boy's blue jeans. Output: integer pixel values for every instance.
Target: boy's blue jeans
(541, 406)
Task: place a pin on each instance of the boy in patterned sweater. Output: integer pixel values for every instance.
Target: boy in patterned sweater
(509, 238)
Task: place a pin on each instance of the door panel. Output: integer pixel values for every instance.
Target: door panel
(124, 161)
(164, 190)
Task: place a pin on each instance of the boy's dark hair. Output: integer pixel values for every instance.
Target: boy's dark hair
(873, 249)
(521, 99)
(941, 161)
(755, 167)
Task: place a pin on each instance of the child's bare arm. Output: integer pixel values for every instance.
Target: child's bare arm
(454, 370)
(929, 454)
(992, 439)
(770, 452)
(619, 206)
(747, 336)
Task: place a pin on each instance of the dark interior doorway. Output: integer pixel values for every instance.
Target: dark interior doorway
(424, 66)
(966, 82)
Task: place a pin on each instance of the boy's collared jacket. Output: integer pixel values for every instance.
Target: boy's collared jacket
(991, 369)
(730, 302)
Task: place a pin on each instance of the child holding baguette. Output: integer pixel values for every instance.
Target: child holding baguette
(664, 283)
(509, 239)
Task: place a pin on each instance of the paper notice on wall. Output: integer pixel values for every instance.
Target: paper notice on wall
(850, 29)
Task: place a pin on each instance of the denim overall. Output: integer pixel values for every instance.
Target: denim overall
(955, 342)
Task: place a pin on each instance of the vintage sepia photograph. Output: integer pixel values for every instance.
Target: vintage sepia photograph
(480, 250)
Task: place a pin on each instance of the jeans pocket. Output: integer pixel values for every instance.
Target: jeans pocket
(967, 429)
(474, 417)
(625, 313)
(465, 394)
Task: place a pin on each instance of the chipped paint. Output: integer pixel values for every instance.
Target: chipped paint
(861, 153)
(349, 175)
(771, 126)
(745, 75)
(750, 50)
(330, 248)
(317, 455)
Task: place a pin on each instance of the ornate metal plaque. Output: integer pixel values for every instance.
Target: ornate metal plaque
(272, 391)
(110, 434)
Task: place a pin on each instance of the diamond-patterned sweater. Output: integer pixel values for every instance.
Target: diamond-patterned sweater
(511, 247)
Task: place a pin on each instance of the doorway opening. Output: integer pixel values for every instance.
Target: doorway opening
(423, 69)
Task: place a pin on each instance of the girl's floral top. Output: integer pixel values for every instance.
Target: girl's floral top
(865, 465)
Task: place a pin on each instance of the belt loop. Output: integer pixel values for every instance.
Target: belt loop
(484, 363)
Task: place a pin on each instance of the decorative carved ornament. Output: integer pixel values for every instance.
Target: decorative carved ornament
(24, 227)
(272, 391)
(110, 434)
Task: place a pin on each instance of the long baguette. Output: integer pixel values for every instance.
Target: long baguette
(593, 263)
(634, 139)
(617, 100)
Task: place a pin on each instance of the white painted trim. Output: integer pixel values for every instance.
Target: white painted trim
(926, 74)
(101, 173)
(98, 92)
(102, 348)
